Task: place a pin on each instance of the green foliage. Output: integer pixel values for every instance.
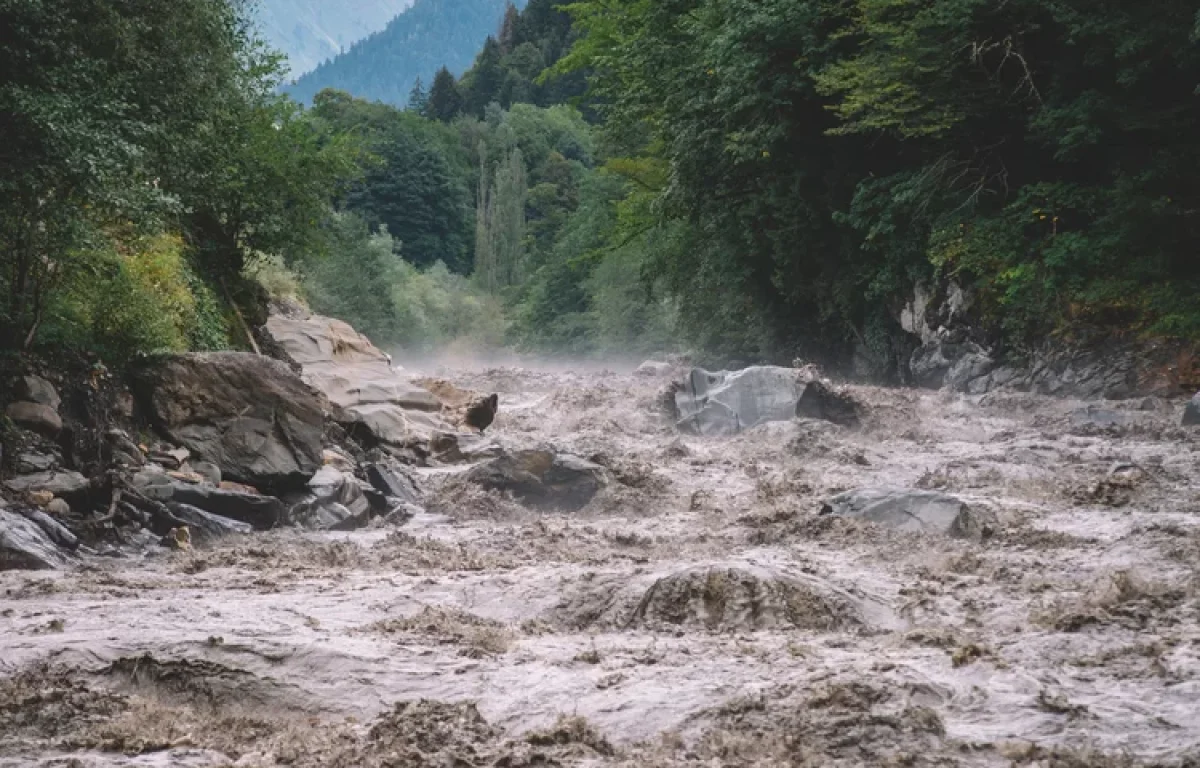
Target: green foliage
(352, 281)
(415, 183)
(509, 69)
(142, 297)
(363, 281)
(819, 156)
(441, 311)
(444, 102)
(121, 123)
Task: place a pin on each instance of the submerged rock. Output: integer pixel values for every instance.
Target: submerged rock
(916, 511)
(819, 402)
(720, 597)
(542, 478)
(652, 368)
(25, 546)
(738, 598)
(1096, 417)
(249, 415)
(726, 403)
(205, 526)
(393, 483)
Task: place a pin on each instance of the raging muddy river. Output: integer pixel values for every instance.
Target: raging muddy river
(699, 611)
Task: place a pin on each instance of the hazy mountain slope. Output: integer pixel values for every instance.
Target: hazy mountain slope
(311, 31)
(429, 35)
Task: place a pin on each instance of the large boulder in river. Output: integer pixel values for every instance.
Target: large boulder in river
(249, 415)
(1191, 414)
(370, 398)
(915, 511)
(728, 402)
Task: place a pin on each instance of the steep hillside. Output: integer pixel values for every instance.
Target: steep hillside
(311, 31)
(429, 35)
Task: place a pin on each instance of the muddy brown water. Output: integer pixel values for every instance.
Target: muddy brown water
(699, 611)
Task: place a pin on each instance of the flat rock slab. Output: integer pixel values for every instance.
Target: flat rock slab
(368, 395)
(915, 511)
(261, 512)
(62, 483)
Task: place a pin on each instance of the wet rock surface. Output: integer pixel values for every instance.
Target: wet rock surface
(729, 402)
(916, 511)
(542, 478)
(25, 545)
(1010, 581)
(65, 483)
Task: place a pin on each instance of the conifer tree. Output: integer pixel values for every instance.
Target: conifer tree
(443, 102)
(418, 98)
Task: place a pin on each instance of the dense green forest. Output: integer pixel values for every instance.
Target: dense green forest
(750, 179)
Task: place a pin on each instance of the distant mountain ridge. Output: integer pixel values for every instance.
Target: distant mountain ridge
(429, 35)
(312, 31)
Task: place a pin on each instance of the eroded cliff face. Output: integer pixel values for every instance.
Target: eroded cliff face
(954, 349)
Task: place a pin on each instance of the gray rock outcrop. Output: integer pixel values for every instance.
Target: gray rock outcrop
(335, 501)
(205, 526)
(35, 389)
(249, 415)
(260, 512)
